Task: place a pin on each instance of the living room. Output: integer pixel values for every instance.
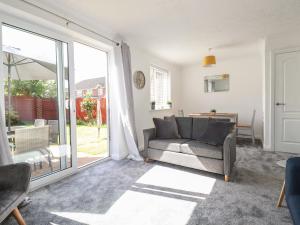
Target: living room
(84, 84)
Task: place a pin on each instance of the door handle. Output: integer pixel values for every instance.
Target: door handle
(280, 103)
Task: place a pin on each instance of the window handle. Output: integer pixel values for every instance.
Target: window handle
(280, 103)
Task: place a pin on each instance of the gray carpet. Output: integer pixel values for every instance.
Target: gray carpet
(128, 192)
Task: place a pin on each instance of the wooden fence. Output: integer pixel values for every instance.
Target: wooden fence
(30, 108)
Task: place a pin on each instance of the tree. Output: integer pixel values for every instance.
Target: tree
(35, 88)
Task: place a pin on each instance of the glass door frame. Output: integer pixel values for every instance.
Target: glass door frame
(65, 35)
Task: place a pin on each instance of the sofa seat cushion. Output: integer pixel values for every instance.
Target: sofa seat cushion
(167, 144)
(201, 149)
(293, 202)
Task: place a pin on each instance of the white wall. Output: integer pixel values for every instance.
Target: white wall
(273, 45)
(244, 65)
(141, 60)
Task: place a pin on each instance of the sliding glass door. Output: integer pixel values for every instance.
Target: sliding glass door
(91, 104)
(37, 100)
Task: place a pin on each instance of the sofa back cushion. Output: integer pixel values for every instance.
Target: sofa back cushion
(185, 126)
(211, 131)
(217, 131)
(166, 129)
(199, 127)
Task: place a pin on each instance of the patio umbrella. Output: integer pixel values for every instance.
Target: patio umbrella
(18, 67)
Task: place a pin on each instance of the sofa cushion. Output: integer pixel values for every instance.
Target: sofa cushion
(293, 202)
(185, 126)
(166, 129)
(203, 129)
(199, 127)
(167, 144)
(198, 148)
(173, 120)
(216, 132)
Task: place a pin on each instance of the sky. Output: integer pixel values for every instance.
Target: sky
(89, 62)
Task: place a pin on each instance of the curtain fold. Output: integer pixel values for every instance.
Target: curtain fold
(122, 123)
(5, 155)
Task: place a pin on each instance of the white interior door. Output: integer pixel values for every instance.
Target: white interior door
(287, 102)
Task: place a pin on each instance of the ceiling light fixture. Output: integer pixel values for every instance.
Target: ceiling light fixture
(209, 59)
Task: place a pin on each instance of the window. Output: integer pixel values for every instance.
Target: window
(160, 88)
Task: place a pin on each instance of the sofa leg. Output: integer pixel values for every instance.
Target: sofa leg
(16, 213)
(226, 178)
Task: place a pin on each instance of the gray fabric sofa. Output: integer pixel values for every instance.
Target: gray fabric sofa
(14, 183)
(190, 152)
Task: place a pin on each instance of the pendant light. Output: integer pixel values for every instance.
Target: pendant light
(209, 59)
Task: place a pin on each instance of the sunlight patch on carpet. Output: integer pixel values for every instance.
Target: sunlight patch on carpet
(177, 179)
(137, 208)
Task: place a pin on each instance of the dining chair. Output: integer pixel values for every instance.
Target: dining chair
(248, 128)
(180, 113)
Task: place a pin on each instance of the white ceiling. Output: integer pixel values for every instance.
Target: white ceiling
(180, 31)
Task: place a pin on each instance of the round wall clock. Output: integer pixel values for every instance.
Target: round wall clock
(139, 79)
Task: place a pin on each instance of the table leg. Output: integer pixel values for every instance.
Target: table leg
(281, 196)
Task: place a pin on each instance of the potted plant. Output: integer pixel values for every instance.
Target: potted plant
(213, 111)
(170, 104)
(153, 105)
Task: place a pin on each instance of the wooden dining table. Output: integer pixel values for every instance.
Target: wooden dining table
(232, 116)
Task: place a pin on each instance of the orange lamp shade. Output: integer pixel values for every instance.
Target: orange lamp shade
(209, 60)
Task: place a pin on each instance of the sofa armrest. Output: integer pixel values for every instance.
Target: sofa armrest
(15, 177)
(229, 152)
(292, 178)
(148, 135)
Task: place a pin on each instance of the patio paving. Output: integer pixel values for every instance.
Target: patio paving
(82, 161)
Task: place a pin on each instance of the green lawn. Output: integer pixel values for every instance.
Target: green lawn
(89, 142)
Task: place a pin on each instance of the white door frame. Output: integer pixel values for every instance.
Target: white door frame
(273, 55)
(58, 32)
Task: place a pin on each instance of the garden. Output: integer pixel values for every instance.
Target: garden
(33, 99)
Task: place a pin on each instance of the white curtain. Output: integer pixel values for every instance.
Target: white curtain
(122, 121)
(5, 155)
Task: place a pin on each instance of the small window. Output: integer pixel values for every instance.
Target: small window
(160, 89)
